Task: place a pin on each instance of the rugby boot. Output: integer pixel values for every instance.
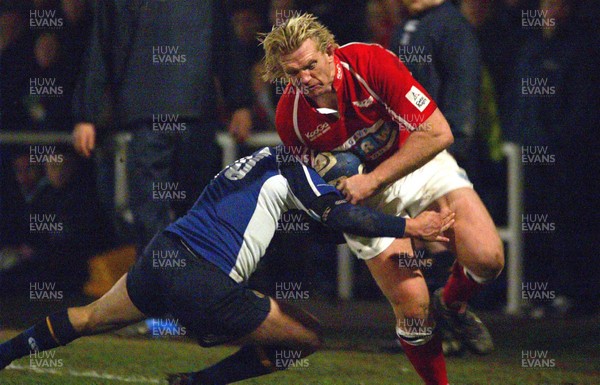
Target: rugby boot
(466, 326)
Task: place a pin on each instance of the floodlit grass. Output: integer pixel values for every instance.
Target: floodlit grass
(142, 361)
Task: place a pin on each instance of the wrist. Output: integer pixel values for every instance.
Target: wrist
(377, 181)
(409, 228)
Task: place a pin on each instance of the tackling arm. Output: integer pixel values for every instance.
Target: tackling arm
(325, 204)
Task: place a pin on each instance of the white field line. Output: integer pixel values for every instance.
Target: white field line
(89, 374)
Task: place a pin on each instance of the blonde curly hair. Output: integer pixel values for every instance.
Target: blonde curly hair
(288, 37)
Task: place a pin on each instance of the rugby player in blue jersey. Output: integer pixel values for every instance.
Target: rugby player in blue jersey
(214, 249)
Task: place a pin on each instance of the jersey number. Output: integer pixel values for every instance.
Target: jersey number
(238, 169)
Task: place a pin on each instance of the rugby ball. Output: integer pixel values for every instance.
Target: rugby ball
(334, 167)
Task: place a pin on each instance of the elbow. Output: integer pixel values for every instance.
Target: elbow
(448, 139)
(445, 137)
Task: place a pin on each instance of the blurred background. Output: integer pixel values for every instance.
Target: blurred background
(524, 72)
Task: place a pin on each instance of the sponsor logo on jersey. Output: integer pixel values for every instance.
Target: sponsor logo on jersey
(338, 72)
(364, 103)
(317, 132)
(417, 98)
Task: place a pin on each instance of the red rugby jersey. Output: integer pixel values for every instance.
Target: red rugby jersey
(379, 104)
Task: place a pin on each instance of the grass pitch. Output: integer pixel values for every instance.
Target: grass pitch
(115, 360)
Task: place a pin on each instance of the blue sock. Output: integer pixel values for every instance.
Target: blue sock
(56, 330)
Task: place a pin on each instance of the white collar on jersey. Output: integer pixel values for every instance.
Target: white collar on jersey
(327, 111)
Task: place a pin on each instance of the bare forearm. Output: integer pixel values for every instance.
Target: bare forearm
(421, 146)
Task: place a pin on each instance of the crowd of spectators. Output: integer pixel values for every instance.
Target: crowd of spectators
(525, 47)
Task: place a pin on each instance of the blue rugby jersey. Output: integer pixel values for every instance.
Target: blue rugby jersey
(235, 218)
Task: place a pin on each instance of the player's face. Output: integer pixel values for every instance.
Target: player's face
(310, 69)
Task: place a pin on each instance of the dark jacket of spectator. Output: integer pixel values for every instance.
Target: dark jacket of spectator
(440, 49)
(129, 35)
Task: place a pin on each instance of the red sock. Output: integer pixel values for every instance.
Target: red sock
(459, 287)
(428, 361)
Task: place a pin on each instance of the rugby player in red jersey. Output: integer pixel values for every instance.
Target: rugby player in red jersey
(361, 98)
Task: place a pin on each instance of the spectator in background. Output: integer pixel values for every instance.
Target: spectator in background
(16, 65)
(264, 100)
(383, 17)
(501, 36)
(345, 18)
(28, 179)
(48, 99)
(244, 53)
(265, 95)
(554, 117)
(16, 252)
(39, 62)
(158, 67)
(439, 48)
(84, 229)
(56, 224)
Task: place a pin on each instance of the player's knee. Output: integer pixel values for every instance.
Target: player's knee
(489, 264)
(81, 318)
(417, 310)
(492, 263)
(310, 337)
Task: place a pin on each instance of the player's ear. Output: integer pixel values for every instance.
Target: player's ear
(329, 50)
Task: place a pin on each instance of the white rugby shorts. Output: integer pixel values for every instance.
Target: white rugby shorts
(409, 196)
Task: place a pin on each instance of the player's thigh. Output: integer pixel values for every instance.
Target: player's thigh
(112, 311)
(404, 288)
(474, 237)
(287, 325)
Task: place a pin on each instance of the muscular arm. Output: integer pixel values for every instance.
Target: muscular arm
(432, 137)
(326, 205)
(343, 216)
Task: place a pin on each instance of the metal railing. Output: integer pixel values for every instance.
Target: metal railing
(511, 234)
